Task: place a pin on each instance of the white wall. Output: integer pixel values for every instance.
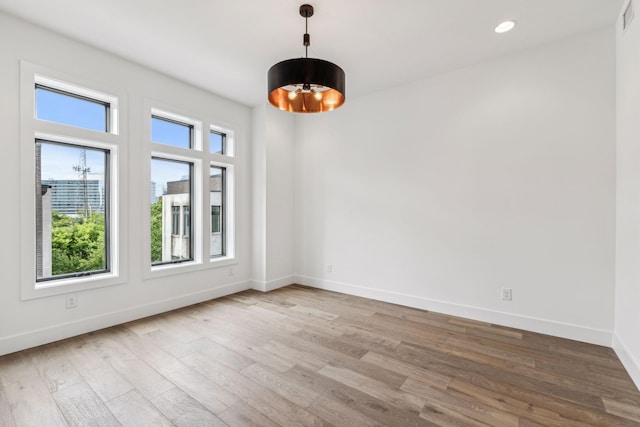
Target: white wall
(627, 296)
(31, 322)
(259, 198)
(273, 142)
(438, 193)
(280, 165)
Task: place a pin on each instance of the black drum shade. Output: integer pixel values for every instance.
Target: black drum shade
(320, 85)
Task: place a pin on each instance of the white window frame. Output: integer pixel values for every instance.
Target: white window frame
(32, 129)
(202, 159)
(87, 93)
(227, 161)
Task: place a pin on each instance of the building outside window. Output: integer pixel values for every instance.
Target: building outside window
(171, 231)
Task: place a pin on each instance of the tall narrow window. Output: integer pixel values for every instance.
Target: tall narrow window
(172, 182)
(217, 200)
(72, 210)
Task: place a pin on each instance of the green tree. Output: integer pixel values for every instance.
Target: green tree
(77, 244)
(156, 231)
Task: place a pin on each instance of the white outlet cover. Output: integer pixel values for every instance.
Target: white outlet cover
(72, 301)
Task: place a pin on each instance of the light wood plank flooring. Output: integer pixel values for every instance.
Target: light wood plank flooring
(300, 356)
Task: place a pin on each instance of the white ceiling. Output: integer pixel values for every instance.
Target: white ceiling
(227, 46)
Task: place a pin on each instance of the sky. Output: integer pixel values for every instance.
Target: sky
(58, 161)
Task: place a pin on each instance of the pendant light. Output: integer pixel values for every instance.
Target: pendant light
(306, 85)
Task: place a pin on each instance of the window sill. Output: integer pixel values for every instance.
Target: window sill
(166, 270)
(71, 284)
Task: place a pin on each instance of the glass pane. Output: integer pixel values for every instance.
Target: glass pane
(216, 188)
(170, 211)
(175, 220)
(66, 108)
(186, 220)
(216, 142)
(168, 132)
(71, 210)
(215, 219)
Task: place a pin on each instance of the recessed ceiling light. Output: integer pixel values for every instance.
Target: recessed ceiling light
(505, 26)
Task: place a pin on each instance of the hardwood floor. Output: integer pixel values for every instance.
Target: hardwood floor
(300, 356)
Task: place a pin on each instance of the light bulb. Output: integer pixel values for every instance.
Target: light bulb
(316, 94)
(292, 94)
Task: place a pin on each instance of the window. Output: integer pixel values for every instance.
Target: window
(72, 210)
(191, 177)
(216, 198)
(69, 104)
(69, 152)
(173, 183)
(217, 142)
(170, 132)
(58, 106)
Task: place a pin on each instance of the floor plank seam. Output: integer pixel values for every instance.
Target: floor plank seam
(299, 356)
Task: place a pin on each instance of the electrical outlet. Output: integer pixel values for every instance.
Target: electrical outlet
(506, 294)
(230, 271)
(329, 268)
(72, 301)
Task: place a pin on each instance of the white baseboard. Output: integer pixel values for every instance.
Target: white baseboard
(264, 286)
(631, 364)
(58, 332)
(258, 285)
(543, 326)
